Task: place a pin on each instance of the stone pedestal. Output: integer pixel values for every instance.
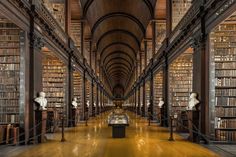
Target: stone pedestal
(160, 115)
(40, 123)
(193, 125)
(74, 117)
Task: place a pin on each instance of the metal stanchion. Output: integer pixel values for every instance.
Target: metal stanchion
(62, 130)
(171, 128)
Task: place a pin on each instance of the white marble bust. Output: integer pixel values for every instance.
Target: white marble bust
(193, 101)
(161, 103)
(87, 103)
(41, 100)
(218, 122)
(74, 103)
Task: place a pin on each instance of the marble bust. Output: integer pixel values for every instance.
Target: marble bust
(193, 101)
(41, 100)
(161, 102)
(74, 103)
(87, 103)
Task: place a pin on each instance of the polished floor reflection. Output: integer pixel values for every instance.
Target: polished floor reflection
(95, 141)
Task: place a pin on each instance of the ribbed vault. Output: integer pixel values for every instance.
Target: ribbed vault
(118, 27)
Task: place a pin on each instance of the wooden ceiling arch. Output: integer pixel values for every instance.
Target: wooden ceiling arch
(117, 29)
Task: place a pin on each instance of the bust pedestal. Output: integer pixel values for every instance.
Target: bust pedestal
(160, 113)
(40, 123)
(193, 124)
(73, 120)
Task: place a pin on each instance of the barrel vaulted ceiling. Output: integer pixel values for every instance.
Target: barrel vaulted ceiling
(117, 29)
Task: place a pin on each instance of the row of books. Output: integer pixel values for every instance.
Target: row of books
(11, 38)
(181, 98)
(225, 73)
(50, 79)
(182, 90)
(225, 27)
(177, 86)
(6, 24)
(9, 59)
(53, 84)
(225, 44)
(54, 94)
(225, 92)
(225, 65)
(56, 91)
(223, 135)
(9, 102)
(9, 32)
(225, 101)
(9, 95)
(180, 93)
(182, 103)
(54, 68)
(55, 99)
(229, 123)
(6, 52)
(225, 39)
(9, 109)
(9, 118)
(226, 82)
(9, 67)
(10, 73)
(225, 51)
(225, 112)
(7, 88)
(8, 44)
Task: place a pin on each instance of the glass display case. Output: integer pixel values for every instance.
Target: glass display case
(118, 123)
(119, 119)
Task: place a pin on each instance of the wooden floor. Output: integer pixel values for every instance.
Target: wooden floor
(95, 141)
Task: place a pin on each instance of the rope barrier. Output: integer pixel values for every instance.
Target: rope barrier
(194, 130)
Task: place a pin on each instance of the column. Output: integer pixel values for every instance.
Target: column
(92, 98)
(201, 80)
(135, 101)
(140, 55)
(145, 53)
(165, 91)
(144, 99)
(70, 91)
(151, 94)
(84, 96)
(97, 101)
(82, 38)
(139, 101)
(153, 37)
(68, 16)
(90, 53)
(169, 17)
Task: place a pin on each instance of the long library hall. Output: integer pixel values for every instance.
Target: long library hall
(112, 78)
